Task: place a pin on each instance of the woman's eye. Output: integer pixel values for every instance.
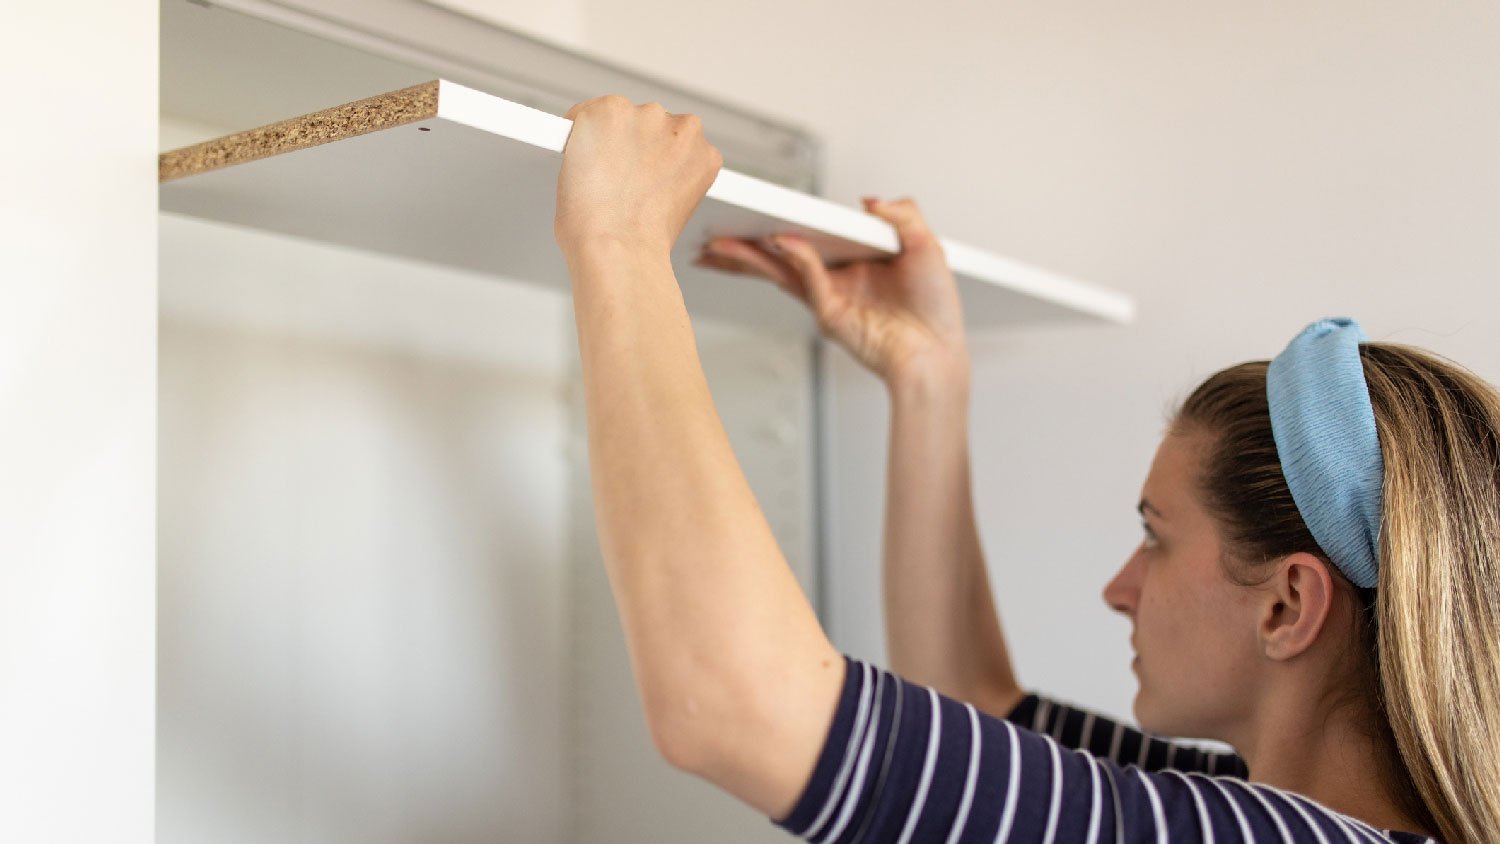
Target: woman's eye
(1150, 541)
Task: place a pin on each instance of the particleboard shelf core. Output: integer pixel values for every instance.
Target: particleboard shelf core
(372, 114)
(443, 173)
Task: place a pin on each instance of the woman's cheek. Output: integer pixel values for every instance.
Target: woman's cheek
(1172, 618)
(1179, 633)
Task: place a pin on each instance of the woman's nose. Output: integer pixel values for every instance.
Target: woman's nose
(1121, 591)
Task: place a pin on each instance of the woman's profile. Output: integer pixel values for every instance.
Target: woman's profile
(1318, 586)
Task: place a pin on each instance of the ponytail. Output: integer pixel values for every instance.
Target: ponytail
(1439, 592)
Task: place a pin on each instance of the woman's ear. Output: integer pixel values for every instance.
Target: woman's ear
(1297, 602)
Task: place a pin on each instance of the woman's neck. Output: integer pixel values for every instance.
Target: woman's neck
(1333, 761)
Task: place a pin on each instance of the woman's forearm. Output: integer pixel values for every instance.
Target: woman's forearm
(736, 676)
(941, 625)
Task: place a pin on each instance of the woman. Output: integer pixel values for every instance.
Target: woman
(1317, 587)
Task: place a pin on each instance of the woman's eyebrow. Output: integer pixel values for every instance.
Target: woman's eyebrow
(1146, 505)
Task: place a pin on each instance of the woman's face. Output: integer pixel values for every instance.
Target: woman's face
(1193, 629)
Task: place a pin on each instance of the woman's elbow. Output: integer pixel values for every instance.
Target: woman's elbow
(688, 729)
(726, 751)
(676, 745)
(758, 743)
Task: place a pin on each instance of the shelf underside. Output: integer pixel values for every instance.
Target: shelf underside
(411, 173)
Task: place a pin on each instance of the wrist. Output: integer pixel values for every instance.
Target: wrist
(612, 243)
(930, 375)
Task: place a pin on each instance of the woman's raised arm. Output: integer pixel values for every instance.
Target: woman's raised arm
(942, 629)
(738, 682)
(902, 319)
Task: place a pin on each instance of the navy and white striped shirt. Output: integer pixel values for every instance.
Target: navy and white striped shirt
(905, 764)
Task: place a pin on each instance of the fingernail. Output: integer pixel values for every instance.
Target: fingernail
(774, 244)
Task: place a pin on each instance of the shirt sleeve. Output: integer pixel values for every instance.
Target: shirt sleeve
(1106, 738)
(902, 763)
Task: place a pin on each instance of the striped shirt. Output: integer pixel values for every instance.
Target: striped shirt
(905, 764)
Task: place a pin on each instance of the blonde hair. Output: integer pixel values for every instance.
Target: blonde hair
(1429, 633)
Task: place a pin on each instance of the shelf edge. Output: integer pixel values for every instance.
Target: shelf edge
(383, 111)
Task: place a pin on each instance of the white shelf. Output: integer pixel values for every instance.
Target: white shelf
(447, 174)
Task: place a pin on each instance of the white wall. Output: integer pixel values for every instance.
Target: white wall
(1240, 169)
(77, 422)
(364, 540)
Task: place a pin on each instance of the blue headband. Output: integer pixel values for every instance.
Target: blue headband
(1325, 435)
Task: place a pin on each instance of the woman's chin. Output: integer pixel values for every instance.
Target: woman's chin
(1140, 708)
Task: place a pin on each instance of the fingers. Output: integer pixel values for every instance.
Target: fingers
(739, 256)
(904, 214)
(619, 100)
(797, 268)
(804, 257)
(574, 111)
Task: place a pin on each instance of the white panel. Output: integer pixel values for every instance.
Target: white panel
(214, 67)
(77, 422)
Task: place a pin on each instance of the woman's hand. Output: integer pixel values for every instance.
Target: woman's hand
(898, 316)
(631, 173)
